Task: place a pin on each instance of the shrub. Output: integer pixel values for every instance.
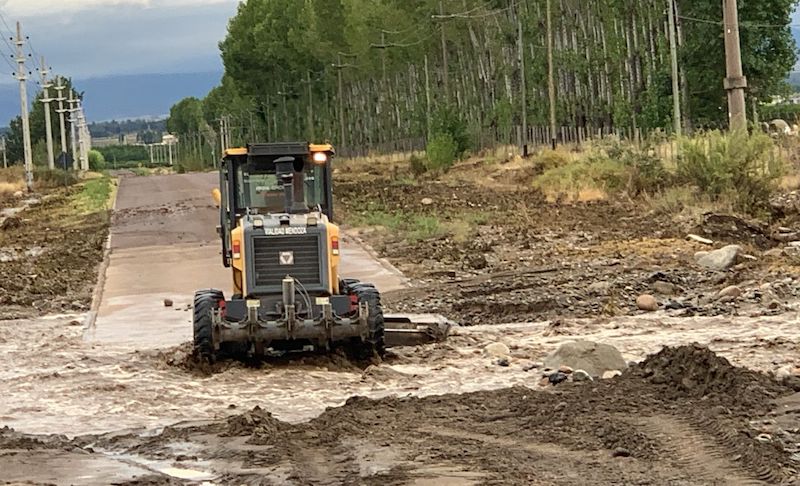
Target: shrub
(97, 162)
(448, 121)
(417, 165)
(442, 152)
(740, 167)
(51, 178)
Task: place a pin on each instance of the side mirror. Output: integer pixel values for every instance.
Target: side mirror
(217, 197)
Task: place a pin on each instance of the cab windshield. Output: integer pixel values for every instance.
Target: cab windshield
(260, 190)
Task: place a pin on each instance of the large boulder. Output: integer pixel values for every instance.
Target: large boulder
(719, 260)
(591, 357)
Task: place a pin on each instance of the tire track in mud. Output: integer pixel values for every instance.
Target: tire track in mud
(690, 449)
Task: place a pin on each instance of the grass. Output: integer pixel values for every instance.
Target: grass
(414, 227)
(95, 195)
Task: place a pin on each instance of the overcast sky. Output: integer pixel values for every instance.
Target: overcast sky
(93, 38)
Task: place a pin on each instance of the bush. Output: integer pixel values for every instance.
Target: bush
(417, 165)
(740, 167)
(442, 152)
(97, 162)
(448, 121)
(51, 178)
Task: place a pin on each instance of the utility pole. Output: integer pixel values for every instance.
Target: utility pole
(5, 158)
(51, 163)
(735, 82)
(222, 134)
(673, 48)
(339, 67)
(22, 77)
(60, 90)
(446, 68)
(523, 86)
(72, 126)
(427, 101)
(551, 84)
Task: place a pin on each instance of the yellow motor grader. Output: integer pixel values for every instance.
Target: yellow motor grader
(279, 239)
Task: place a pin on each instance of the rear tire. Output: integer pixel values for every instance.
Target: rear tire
(205, 301)
(375, 343)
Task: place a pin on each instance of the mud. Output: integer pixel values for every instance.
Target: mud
(682, 416)
(505, 254)
(49, 259)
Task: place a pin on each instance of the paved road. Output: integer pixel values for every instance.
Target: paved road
(164, 246)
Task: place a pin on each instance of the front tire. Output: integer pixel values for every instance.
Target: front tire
(367, 293)
(205, 302)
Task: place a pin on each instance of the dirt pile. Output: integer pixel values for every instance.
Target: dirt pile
(259, 424)
(696, 372)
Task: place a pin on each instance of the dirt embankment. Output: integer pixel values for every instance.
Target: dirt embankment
(682, 416)
(484, 247)
(49, 252)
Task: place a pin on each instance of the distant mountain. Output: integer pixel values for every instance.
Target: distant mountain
(123, 97)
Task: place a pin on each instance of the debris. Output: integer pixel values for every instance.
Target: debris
(74, 322)
(774, 253)
(621, 452)
(497, 350)
(504, 362)
(721, 259)
(594, 358)
(168, 303)
(426, 201)
(664, 288)
(532, 366)
(12, 222)
(580, 376)
(600, 288)
(557, 378)
(730, 291)
(647, 302)
(700, 239)
(477, 261)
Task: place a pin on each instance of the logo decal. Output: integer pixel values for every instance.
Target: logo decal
(287, 258)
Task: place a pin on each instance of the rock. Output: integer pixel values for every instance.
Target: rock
(700, 239)
(731, 291)
(504, 362)
(594, 358)
(557, 378)
(168, 303)
(774, 253)
(532, 366)
(611, 374)
(700, 254)
(497, 350)
(664, 288)
(721, 259)
(426, 201)
(600, 288)
(621, 452)
(785, 372)
(476, 261)
(18, 194)
(74, 322)
(580, 375)
(564, 369)
(647, 302)
(794, 244)
(12, 222)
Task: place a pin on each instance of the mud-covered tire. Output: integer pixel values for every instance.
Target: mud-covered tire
(205, 301)
(375, 343)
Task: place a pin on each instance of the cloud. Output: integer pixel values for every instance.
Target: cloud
(23, 8)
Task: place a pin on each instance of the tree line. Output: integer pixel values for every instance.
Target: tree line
(364, 73)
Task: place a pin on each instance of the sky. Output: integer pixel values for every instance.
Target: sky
(96, 38)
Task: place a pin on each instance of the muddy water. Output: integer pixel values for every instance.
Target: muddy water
(53, 381)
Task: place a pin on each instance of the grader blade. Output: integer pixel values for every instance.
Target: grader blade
(415, 329)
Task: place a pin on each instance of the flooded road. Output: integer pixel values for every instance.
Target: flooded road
(131, 371)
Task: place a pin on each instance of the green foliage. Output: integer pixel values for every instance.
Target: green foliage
(186, 116)
(788, 112)
(738, 167)
(124, 153)
(96, 161)
(417, 164)
(442, 152)
(447, 121)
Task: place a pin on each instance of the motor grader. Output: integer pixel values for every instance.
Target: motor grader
(278, 237)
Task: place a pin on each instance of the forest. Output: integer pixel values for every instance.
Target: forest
(372, 74)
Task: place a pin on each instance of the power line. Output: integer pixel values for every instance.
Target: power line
(749, 25)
